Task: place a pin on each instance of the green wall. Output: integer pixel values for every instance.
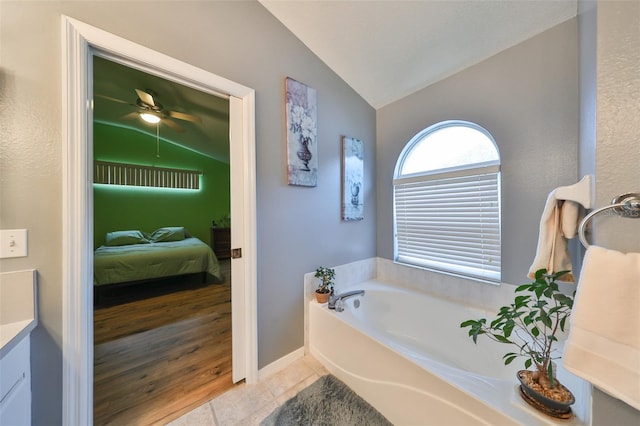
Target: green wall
(146, 209)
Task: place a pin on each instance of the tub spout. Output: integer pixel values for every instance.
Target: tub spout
(337, 301)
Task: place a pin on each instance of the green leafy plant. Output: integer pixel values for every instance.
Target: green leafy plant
(326, 275)
(530, 323)
(223, 222)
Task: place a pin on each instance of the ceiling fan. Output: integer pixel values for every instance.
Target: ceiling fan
(152, 111)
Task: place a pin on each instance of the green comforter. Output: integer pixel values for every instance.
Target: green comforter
(153, 260)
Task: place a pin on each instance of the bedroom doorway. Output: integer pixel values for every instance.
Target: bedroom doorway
(82, 41)
(162, 267)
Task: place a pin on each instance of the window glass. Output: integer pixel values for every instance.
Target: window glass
(450, 145)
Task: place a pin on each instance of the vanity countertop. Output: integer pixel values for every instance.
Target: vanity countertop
(17, 307)
(12, 333)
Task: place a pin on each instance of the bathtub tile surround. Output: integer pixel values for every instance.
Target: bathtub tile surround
(250, 404)
(474, 293)
(485, 296)
(346, 276)
(478, 294)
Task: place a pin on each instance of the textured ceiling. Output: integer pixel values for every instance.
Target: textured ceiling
(386, 50)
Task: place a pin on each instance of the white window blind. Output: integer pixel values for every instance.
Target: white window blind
(150, 176)
(450, 224)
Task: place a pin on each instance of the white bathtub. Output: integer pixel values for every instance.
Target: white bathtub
(405, 353)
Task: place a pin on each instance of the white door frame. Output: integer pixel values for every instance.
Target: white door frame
(79, 42)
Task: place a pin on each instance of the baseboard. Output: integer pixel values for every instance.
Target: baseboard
(280, 364)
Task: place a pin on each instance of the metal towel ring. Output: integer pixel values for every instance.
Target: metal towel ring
(624, 205)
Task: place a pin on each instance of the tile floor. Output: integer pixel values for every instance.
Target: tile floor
(250, 404)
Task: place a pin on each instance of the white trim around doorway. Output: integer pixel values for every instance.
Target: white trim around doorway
(79, 42)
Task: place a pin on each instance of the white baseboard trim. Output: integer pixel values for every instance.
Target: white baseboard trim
(280, 364)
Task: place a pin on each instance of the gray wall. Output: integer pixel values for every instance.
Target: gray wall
(527, 98)
(617, 118)
(298, 228)
(609, 144)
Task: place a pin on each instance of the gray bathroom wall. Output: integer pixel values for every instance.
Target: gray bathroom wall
(617, 119)
(299, 228)
(609, 143)
(527, 98)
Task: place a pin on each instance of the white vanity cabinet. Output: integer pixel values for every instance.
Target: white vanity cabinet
(17, 320)
(15, 385)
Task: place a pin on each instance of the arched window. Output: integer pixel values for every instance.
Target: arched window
(447, 201)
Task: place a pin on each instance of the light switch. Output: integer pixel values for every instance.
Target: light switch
(13, 243)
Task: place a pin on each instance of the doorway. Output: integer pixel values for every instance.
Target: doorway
(81, 41)
(162, 302)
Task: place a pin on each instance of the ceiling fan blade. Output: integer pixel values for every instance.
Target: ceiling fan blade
(130, 116)
(109, 98)
(145, 97)
(175, 126)
(184, 116)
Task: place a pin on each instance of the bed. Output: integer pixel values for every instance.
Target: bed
(133, 256)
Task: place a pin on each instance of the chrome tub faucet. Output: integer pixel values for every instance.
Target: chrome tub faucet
(337, 301)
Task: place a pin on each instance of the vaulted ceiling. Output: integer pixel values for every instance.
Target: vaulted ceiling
(385, 50)
(388, 49)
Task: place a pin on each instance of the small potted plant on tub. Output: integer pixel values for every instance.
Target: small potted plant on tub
(531, 324)
(325, 286)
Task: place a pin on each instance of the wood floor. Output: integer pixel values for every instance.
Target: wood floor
(162, 356)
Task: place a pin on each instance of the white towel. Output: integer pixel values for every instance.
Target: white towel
(603, 346)
(559, 221)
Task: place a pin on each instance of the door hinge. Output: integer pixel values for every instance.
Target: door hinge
(236, 253)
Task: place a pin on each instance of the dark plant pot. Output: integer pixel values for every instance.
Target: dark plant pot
(322, 297)
(552, 407)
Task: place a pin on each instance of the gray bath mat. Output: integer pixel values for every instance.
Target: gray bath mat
(326, 402)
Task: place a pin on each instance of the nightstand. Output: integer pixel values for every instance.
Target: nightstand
(221, 242)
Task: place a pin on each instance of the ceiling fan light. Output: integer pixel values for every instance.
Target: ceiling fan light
(149, 117)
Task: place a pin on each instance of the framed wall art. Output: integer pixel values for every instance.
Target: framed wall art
(302, 134)
(352, 179)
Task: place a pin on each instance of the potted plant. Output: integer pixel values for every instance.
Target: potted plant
(223, 222)
(531, 324)
(325, 287)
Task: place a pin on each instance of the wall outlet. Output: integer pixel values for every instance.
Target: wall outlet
(13, 243)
